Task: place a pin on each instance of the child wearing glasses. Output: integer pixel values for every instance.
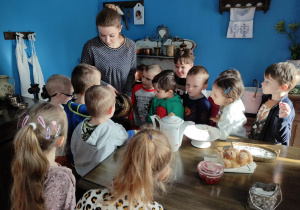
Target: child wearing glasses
(83, 77)
(226, 92)
(59, 89)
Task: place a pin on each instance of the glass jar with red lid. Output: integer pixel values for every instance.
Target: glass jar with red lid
(210, 172)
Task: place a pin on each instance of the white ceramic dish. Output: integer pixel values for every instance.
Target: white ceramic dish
(198, 141)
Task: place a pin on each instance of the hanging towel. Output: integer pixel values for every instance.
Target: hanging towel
(23, 67)
(36, 68)
(241, 23)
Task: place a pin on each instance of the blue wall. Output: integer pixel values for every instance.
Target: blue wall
(62, 28)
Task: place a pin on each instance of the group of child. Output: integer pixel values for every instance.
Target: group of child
(81, 133)
(183, 94)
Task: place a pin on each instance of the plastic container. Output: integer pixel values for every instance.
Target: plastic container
(210, 172)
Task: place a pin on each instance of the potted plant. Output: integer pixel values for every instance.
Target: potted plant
(291, 34)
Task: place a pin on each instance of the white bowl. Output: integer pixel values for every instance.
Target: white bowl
(199, 141)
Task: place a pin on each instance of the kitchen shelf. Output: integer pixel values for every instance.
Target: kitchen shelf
(153, 56)
(222, 4)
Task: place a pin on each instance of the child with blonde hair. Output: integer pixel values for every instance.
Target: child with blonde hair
(144, 171)
(83, 77)
(276, 114)
(142, 95)
(97, 137)
(39, 182)
(59, 89)
(226, 92)
(196, 106)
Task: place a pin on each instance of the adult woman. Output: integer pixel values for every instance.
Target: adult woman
(112, 53)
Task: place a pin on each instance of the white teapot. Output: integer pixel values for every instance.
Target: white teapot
(173, 127)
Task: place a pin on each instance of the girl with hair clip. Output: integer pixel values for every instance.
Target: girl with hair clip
(145, 169)
(226, 92)
(39, 182)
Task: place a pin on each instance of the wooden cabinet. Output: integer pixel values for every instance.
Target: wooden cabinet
(295, 137)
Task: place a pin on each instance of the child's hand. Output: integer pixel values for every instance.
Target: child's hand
(284, 110)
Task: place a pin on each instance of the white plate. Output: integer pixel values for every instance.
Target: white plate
(247, 169)
(201, 144)
(197, 141)
(191, 132)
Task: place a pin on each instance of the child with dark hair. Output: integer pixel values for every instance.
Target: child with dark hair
(139, 74)
(142, 95)
(184, 61)
(226, 92)
(196, 106)
(276, 114)
(165, 100)
(97, 137)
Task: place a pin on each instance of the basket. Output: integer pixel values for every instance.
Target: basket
(259, 153)
(263, 196)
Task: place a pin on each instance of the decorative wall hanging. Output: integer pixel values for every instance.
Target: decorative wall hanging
(124, 10)
(241, 23)
(139, 15)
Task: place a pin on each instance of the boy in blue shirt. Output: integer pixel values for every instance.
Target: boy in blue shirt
(83, 77)
(275, 116)
(165, 100)
(196, 106)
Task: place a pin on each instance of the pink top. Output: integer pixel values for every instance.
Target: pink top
(59, 188)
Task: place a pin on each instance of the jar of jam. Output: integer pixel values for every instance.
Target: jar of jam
(210, 172)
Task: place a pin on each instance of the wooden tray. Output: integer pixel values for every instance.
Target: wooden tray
(259, 153)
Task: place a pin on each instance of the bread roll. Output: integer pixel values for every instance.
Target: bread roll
(234, 158)
(230, 154)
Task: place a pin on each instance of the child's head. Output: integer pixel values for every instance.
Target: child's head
(227, 89)
(43, 129)
(139, 71)
(233, 72)
(148, 74)
(59, 89)
(280, 77)
(196, 81)
(164, 84)
(146, 166)
(184, 61)
(85, 76)
(100, 101)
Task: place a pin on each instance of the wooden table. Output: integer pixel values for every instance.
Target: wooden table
(189, 191)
